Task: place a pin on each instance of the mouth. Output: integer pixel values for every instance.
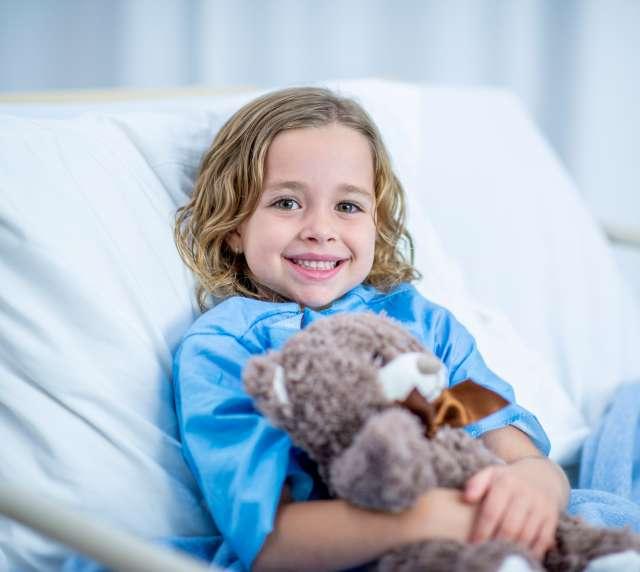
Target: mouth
(323, 268)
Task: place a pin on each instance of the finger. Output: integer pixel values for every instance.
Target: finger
(530, 532)
(545, 539)
(490, 515)
(477, 486)
(514, 524)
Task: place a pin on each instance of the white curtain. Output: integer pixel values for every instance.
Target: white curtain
(572, 62)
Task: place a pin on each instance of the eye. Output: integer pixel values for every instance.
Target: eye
(286, 204)
(348, 208)
(377, 359)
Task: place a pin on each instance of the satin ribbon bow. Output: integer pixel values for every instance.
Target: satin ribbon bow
(464, 403)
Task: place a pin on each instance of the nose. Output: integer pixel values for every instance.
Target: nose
(318, 227)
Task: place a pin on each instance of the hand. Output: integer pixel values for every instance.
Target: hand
(512, 508)
(443, 513)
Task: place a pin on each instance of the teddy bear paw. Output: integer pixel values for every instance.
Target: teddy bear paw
(387, 466)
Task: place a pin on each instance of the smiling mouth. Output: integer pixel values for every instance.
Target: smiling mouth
(322, 265)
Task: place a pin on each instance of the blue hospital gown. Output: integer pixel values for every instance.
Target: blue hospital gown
(240, 461)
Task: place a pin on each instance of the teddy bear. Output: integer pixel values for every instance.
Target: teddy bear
(372, 408)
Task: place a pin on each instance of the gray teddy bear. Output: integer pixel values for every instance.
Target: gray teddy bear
(364, 399)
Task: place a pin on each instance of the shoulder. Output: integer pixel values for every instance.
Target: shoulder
(236, 315)
(434, 325)
(405, 300)
(373, 297)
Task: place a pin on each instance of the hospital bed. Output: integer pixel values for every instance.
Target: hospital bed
(94, 298)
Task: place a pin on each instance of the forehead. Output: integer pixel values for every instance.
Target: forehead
(331, 152)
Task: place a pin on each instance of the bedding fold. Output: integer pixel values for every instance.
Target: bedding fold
(608, 492)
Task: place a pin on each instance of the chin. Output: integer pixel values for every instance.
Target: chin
(315, 304)
(320, 301)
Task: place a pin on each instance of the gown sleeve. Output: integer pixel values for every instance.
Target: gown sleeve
(457, 348)
(240, 461)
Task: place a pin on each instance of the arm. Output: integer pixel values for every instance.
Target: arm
(521, 500)
(238, 459)
(334, 535)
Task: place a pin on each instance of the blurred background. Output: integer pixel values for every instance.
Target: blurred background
(573, 63)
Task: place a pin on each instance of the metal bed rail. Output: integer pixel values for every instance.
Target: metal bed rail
(118, 550)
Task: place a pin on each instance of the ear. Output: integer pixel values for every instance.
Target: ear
(263, 378)
(234, 241)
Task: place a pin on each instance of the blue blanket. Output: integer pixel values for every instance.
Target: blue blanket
(608, 492)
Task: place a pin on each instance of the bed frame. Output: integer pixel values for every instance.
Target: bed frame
(117, 549)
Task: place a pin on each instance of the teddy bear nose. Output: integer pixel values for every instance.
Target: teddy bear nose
(428, 364)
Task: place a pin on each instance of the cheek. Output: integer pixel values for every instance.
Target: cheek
(367, 238)
(265, 247)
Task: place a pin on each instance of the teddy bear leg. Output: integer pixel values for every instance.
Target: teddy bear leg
(388, 464)
(578, 544)
(452, 556)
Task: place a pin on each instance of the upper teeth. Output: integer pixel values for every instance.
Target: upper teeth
(317, 264)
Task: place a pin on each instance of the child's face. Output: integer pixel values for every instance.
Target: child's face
(312, 235)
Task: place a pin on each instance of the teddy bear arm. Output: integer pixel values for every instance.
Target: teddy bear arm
(387, 466)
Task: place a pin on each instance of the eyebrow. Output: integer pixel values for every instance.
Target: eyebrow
(298, 186)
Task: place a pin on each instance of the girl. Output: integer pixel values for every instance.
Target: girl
(297, 214)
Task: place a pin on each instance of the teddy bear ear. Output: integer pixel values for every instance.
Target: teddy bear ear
(264, 380)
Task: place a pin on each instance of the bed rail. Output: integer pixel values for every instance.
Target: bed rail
(625, 236)
(118, 550)
(115, 94)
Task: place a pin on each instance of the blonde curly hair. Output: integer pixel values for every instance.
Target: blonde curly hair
(230, 180)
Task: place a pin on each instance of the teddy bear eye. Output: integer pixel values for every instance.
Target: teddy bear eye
(377, 359)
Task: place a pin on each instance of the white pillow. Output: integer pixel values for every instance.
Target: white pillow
(511, 216)
(94, 300)
(536, 383)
